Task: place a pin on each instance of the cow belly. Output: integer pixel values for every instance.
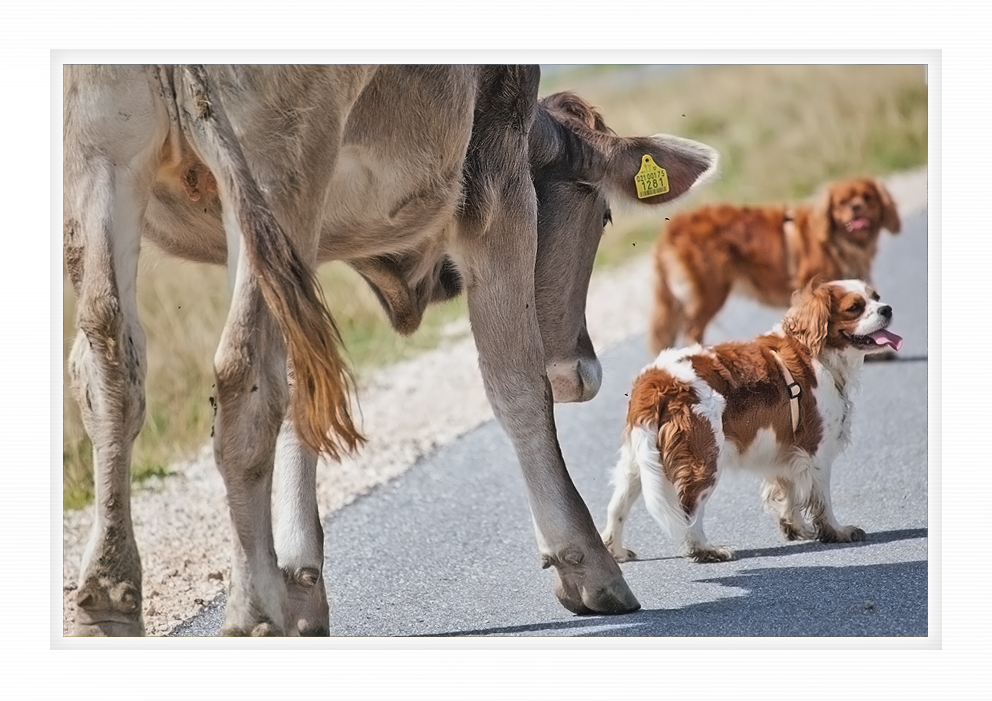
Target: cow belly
(184, 228)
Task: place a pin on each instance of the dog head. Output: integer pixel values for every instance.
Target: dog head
(843, 315)
(856, 211)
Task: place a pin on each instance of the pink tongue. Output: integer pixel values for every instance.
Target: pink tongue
(859, 223)
(885, 338)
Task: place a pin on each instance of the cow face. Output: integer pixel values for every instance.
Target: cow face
(579, 165)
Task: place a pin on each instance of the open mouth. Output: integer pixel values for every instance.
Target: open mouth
(876, 340)
(858, 224)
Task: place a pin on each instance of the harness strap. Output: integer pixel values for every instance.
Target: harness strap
(791, 245)
(794, 391)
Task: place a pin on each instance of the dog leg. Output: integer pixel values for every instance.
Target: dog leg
(782, 500)
(705, 307)
(627, 478)
(828, 530)
(697, 545)
(668, 317)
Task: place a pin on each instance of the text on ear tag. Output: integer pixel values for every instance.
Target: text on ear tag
(651, 179)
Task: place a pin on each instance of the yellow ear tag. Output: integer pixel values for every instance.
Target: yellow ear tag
(651, 179)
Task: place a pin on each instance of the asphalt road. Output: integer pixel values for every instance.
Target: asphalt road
(448, 549)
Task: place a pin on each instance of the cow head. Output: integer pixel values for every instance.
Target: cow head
(579, 165)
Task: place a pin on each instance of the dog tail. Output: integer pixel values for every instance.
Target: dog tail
(321, 399)
(660, 495)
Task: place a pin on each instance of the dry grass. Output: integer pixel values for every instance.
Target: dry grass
(780, 131)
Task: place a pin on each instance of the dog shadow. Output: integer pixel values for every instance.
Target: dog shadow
(805, 546)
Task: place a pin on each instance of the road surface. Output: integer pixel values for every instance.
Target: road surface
(447, 548)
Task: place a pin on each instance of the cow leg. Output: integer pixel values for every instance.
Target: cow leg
(299, 537)
(252, 396)
(107, 373)
(502, 312)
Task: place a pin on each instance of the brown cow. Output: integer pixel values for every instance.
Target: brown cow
(427, 180)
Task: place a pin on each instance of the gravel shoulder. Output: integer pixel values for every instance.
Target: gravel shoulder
(181, 523)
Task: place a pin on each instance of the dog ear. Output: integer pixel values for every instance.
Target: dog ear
(821, 218)
(890, 215)
(809, 317)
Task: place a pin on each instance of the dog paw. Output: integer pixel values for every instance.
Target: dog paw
(711, 553)
(848, 534)
(623, 554)
(793, 532)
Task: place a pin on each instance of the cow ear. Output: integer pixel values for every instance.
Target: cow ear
(890, 215)
(685, 163)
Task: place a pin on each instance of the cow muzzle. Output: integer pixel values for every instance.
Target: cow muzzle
(576, 380)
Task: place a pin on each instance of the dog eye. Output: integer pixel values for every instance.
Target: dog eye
(607, 217)
(856, 307)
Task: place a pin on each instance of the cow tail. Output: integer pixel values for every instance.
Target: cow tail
(320, 404)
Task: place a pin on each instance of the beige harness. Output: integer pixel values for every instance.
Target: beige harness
(791, 245)
(794, 391)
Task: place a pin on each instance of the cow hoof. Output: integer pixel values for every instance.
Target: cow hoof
(585, 591)
(104, 609)
(307, 601)
(107, 628)
(262, 629)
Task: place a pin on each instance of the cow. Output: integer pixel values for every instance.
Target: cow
(428, 181)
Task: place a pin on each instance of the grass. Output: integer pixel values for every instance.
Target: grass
(781, 131)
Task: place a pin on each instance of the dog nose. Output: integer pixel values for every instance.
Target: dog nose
(885, 311)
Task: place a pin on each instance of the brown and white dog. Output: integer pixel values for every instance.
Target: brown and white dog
(766, 253)
(696, 412)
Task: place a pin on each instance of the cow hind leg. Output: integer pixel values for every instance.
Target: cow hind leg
(252, 397)
(299, 537)
(107, 374)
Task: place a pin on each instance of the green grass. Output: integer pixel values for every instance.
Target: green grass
(781, 132)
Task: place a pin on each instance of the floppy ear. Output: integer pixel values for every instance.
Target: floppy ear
(686, 164)
(890, 215)
(821, 218)
(808, 318)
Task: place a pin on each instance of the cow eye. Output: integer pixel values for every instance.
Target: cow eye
(607, 217)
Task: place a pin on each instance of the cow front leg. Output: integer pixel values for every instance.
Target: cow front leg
(299, 536)
(511, 357)
(252, 397)
(588, 578)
